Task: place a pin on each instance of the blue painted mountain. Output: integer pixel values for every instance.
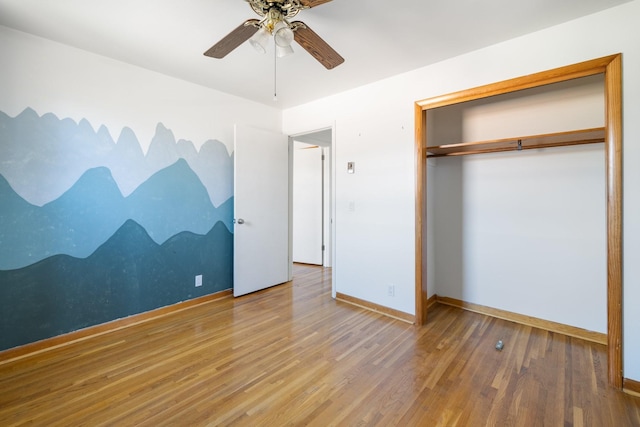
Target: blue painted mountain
(42, 157)
(175, 200)
(128, 274)
(169, 202)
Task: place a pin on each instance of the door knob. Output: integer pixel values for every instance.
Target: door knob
(240, 221)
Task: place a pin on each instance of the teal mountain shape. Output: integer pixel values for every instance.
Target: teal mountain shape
(85, 216)
(43, 156)
(128, 274)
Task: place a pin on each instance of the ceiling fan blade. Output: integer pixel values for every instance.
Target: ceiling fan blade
(318, 48)
(234, 39)
(313, 3)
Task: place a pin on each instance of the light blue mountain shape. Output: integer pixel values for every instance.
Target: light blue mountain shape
(42, 157)
(171, 201)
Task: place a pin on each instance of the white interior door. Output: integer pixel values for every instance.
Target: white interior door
(261, 210)
(307, 204)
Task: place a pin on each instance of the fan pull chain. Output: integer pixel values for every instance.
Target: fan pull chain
(275, 74)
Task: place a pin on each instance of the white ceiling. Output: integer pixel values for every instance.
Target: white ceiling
(377, 38)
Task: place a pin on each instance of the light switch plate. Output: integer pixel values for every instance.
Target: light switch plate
(351, 167)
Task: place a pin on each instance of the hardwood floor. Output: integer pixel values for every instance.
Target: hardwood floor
(291, 355)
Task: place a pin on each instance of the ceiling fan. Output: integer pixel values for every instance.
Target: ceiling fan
(275, 22)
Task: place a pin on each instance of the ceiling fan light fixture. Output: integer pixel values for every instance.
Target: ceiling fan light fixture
(275, 22)
(283, 34)
(260, 40)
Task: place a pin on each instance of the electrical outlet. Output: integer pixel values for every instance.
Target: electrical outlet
(391, 290)
(198, 280)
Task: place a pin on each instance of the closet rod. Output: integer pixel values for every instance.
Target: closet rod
(558, 139)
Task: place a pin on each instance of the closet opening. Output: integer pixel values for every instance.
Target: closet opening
(516, 115)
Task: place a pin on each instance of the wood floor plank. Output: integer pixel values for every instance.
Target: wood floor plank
(291, 355)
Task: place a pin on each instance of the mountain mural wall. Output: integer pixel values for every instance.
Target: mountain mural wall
(42, 157)
(92, 230)
(86, 215)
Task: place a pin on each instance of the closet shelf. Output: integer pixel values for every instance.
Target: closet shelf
(559, 139)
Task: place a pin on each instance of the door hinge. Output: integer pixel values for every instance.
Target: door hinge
(323, 157)
(323, 247)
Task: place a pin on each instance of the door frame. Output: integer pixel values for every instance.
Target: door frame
(331, 223)
(611, 68)
(317, 169)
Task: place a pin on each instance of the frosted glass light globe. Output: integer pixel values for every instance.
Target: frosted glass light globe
(282, 34)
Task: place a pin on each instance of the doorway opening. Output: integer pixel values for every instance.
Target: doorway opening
(308, 204)
(311, 207)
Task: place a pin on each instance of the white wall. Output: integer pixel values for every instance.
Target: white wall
(371, 204)
(69, 82)
(525, 232)
(374, 128)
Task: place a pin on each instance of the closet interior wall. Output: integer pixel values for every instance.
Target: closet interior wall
(521, 231)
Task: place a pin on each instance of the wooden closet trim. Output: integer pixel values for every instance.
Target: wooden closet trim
(611, 68)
